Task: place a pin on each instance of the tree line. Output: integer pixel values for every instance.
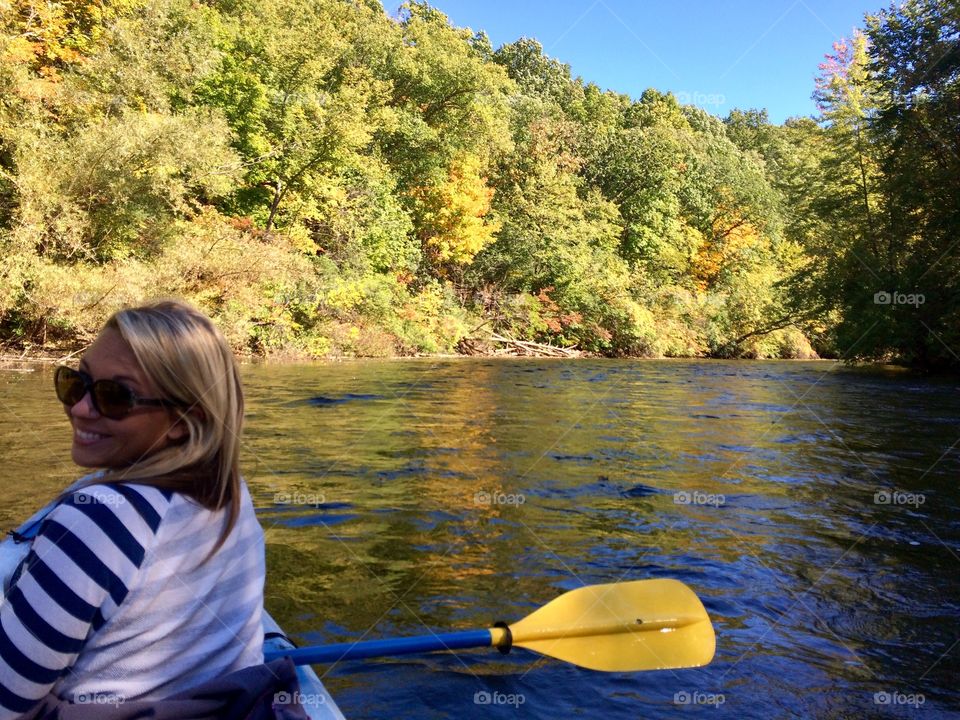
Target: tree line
(326, 179)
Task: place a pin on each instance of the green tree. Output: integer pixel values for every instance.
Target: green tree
(301, 100)
(536, 74)
(451, 123)
(558, 240)
(642, 169)
(915, 66)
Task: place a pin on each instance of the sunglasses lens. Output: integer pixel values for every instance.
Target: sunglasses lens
(112, 399)
(70, 386)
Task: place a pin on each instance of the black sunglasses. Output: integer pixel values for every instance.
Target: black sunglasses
(110, 398)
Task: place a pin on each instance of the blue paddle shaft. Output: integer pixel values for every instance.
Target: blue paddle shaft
(380, 648)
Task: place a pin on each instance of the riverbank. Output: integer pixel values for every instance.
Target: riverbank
(494, 347)
(458, 335)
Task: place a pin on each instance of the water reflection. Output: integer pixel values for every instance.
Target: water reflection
(454, 493)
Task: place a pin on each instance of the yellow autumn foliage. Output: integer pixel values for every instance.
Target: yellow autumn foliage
(456, 215)
(731, 235)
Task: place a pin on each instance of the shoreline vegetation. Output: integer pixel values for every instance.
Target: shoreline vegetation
(28, 363)
(329, 181)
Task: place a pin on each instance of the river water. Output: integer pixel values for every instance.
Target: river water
(814, 509)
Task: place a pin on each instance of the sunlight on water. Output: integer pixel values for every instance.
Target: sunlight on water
(813, 508)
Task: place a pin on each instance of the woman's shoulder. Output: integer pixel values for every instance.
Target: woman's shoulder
(133, 504)
(140, 509)
(102, 531)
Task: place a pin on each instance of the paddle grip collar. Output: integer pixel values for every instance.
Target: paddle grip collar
(507, 643)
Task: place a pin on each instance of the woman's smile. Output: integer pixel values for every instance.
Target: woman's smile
(84, 437)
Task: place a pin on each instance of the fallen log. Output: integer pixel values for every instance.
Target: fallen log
(527, 348)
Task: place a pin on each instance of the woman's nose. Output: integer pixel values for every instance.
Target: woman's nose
(85, 407)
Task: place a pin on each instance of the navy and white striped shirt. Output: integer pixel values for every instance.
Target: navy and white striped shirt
(115, 603)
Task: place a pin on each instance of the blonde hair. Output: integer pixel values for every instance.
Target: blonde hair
(191, 364)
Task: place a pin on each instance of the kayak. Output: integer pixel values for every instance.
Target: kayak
(314, 698)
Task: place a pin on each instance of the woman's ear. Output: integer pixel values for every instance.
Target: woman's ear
(179, 431)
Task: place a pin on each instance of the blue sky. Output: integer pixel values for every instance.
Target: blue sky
(718, 54)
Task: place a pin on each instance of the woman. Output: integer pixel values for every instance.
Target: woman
(146, 578)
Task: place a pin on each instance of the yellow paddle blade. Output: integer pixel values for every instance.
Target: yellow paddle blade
(623, 627)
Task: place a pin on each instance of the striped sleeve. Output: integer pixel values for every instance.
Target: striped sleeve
(86, 554)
